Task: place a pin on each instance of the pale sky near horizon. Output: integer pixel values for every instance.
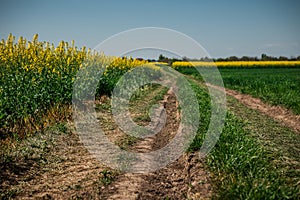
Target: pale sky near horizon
(223, 28)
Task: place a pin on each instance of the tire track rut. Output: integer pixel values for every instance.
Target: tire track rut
(185, 178)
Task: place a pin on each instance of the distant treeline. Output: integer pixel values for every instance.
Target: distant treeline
(263, 57)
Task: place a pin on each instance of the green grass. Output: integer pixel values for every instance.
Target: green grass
(242, 165)
(277, 86)
(143, 99)
(107, 177)
(279, 142)
(244, 169)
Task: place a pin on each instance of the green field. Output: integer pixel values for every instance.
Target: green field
(277, 86)
(250, 163)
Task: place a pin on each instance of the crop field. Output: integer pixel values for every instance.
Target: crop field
(37, 81)
(264, 143)
(255, 157)
(275, 85)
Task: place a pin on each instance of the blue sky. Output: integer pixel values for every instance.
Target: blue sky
(223, 28)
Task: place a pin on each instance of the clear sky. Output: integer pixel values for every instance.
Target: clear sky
(223, 27)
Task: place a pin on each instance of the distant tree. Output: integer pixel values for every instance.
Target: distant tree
(151, 60)
(232, 58)
(245, 58)
(162, 58)
(184, 58)
(174, 60)
(263, 56)
(206, 59)
(282, 58)
(220, 59)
